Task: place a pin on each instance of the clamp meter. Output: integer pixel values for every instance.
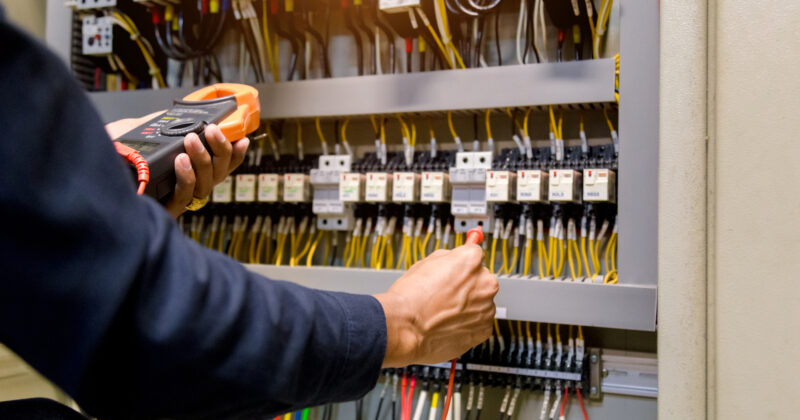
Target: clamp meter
(233, 107)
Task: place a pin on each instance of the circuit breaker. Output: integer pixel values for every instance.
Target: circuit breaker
(532, 186)
(245, 188)
(223, 192)
(269, 188)
(332, 212)
(599, 185)
(500, 186)
(378, 187)
(296, 188)
(565, 186)
(468, 179)
(435, 187)
(405, 187)
(97, 35)
(351, 187)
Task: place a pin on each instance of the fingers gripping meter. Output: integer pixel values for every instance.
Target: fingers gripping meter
(233, 107)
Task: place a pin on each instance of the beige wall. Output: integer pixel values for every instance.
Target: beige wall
(30, 14)
(757, 216)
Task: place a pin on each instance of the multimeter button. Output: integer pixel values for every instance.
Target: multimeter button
(182, 127)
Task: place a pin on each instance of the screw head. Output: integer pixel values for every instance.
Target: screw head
(593, 358)
(593, 390)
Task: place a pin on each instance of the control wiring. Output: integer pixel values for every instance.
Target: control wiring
(125, 22)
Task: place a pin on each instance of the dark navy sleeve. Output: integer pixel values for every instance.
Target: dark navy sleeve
(102, 293)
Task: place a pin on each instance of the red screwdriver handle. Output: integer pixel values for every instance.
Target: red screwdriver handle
(475, 236)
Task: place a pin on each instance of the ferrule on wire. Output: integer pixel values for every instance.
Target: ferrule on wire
(460, 146)
(552, 143)
(615, 141)
(433, 147)
(528, 147)
(584, 143)
(520, 146)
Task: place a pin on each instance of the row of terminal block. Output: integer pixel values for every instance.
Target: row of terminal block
(473, 183)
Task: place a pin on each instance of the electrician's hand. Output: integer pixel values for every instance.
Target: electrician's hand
(196, 171)
(440, 308)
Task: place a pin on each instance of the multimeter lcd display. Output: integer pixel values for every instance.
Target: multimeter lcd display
(142, 146)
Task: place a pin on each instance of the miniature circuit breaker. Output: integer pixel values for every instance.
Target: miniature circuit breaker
(351, 187)
(332, 213)
(245, 188)
(405, 188)
(435, 187)
(564, 186)
(378, 187)
(532, 186)
(296, 188)
(468, 179)
(269, 188)
(500, 186)
(223, 192)
(599, 185)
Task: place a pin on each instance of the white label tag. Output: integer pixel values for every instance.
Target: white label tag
(245, 188)
(223, 192)
(564, 185)
(529, 185)
(498, 186)
(268, 185)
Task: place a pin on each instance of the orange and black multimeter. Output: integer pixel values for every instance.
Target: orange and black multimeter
(233, 107)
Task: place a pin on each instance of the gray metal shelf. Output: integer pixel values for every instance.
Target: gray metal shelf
(575, 82)
(624, 306)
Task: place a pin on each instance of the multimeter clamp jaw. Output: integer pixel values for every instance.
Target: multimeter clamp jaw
(160, 140)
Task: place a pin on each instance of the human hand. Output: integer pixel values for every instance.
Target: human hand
(440, 308)
(196, 171)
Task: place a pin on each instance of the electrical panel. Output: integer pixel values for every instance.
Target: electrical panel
(362, 164)
(97, 35)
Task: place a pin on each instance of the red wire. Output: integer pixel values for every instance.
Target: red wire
(410, 398)
(474, 236)
(449, 389)
(135, 159)
(580, 400)
(564, 403)
(403, 397)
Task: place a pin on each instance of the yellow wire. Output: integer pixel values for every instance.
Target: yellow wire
(423, 249)
(570, 260)
(327, 248)
(450, 124)
(525, 122)
(383, 131)
(558, 333)
(313, 249)
(389, 251)
(492, 255)
(489, 124)
(504, 249)
(413, 133)
(459, 240)
(580, 332)
(299, 134)
(374, 123)
(497, 327)
(129, 26)
(528, 255)
(514, 258)
(608, 120)
(320, 134)
(262, 240)
(577, 257)
(344, 129)
(270, 55)
(528, 329)
(538, 332)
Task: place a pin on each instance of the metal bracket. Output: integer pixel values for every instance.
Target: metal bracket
(595, 374)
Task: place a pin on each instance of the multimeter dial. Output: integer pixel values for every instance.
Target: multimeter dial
(182, 127)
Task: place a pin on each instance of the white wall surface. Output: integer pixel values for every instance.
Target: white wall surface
(30, 14)
(757, 217)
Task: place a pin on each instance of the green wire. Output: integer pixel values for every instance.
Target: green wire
(305, 414)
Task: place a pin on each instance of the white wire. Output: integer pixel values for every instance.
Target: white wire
(545, 404)
(542, 48)
(521, 22)
(556, 404)
(432, 412)
(423, 396)
(378, 67)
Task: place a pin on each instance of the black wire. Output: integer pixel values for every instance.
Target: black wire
(300, 39)
(529, 35)
(362, 23)
(394, 409)
(360, 409)
(378, 413)
(478, 416)
(295, 48)
(408, 61)
(479, 41)
(497, 38)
